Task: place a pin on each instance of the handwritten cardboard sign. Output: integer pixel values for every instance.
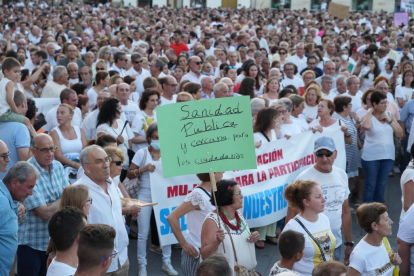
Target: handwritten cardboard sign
(400, 18)
(338, 10)
(206, 136)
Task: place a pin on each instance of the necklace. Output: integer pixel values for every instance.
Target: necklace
(224, 215)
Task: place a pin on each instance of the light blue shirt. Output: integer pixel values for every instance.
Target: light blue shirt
(15, 136)
(407, 115)
(8, 230)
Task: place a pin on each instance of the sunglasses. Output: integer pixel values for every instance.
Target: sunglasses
(282, 53)
(321, 154)
(99, 69)
(118, 163)
(198, 62)
(138, 61)
(5, 156)
(108, 53)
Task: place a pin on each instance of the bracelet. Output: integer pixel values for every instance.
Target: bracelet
(347, 136)
(390, 122)
(135, 173)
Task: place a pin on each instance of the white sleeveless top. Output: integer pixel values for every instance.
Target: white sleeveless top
(246, 253)
(71, 149)
(379, 142)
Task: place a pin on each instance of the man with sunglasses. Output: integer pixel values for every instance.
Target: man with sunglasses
(138, 72)
(96, 249)
(42, 204)
(194, 75)
(120, 62)
(334, 184)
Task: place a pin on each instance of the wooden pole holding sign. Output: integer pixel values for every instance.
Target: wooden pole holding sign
(214, 189)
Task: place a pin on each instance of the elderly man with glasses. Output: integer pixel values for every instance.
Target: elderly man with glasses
(42, 204)
(106, 201)
(195, 63)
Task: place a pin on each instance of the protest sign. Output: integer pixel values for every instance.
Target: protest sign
(338, 10)
(407, 5)
(206, 136)
(400, 18)
(278, 164)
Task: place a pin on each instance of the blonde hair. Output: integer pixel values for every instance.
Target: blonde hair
(75, 196)
(69, 107)
(318, 93)
(114, 151)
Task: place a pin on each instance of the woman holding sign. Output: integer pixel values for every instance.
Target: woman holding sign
(232, 229)
(196, 206)
(141, 166)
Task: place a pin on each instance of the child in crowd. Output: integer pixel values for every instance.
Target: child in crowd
(331, 268)
(291, 247)
(10, 83)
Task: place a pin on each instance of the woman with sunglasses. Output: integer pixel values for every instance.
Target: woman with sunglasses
(101, 82)
(142, 165)
(105, 53)
(283, 56)
(379, 152)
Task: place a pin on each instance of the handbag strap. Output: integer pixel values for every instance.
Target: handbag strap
(204, 191)
(312, 237)
(232, 243)
(264, 134)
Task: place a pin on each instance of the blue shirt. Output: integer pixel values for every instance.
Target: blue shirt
(407, 115)
(33, 230)
(318, 72)
(8, 230)
(15, 136)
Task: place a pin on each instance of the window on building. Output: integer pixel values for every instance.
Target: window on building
(320, 5)
(281, 4)
(362, 5)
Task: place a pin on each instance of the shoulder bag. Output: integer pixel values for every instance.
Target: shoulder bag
(241, 270)
(312, 237)
(132, 186)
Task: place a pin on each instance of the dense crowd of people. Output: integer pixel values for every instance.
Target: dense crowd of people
(68, 174)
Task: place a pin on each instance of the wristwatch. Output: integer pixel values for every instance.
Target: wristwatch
(351, 244)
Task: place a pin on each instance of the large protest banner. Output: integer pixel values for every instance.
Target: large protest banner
(278, 164)
(206, 136)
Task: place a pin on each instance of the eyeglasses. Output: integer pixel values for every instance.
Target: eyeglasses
(112, 255)
(5, 156)
(138, 61)
(100, 162)
(173, 85)
(46, 150)
(282, 53)
(108, 53)
(198, 62)
(238, 194)
(89, 200)
(100, 69)
(283, 111)
(118, 163)
(384, 103)
(320, 154)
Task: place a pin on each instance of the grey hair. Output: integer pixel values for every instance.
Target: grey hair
(22, 170)
(285, 102)
(50, 44)
(258, 54)
(153, 127)
(59, 71)
(349, 80)
(159, 64)
(218, 86)
(84, 156)
(257, 104)
(326, 78)
(340, 77)
(135, 56)
(204, 79)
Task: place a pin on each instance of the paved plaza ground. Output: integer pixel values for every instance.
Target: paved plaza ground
(269, 255)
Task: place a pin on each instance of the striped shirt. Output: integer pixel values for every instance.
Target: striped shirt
(33, 230)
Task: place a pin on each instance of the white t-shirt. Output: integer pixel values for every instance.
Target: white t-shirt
(406, 233)
(356, 100)
(301, 120)
(310, 112)
(165, 101)
(276, 269)
(290, 129)
(130, 110)
(407, 175)
(126, 134)
(60, 269)
(138, 160)
(260, 137)
(321, 231)
(139, 126)
(404, 93)
(371, 260)
(335, 190)
(296, 81)
(51, 119)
